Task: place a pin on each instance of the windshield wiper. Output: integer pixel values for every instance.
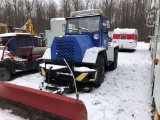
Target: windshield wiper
(84, 29)
(76, 30)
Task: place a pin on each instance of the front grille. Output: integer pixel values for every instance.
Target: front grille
(65, 49)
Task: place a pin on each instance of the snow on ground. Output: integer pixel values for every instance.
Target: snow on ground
(6, 115)
(126, 91)
(124, 95)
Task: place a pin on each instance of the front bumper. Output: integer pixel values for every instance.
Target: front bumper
(61, 72)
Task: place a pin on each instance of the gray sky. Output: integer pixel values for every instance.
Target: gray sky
(57, 1)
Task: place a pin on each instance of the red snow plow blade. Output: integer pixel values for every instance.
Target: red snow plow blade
(66, 107)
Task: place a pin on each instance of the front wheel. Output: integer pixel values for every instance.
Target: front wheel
(100, 70)
(5, 74)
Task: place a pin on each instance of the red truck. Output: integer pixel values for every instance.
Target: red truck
(24, 58)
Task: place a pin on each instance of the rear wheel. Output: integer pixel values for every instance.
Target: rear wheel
(113, 65)
(100, 70)
(5, 74)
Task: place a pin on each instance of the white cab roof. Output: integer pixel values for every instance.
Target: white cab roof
(125, 30)
(53, 19)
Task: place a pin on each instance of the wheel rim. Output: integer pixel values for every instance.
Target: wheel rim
(3, 75)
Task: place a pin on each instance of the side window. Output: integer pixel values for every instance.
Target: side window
(106, 25)
(123, 37)
(72, 28)
(104, 29)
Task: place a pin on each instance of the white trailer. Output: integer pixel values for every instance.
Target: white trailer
(57, 29)
(126, 38)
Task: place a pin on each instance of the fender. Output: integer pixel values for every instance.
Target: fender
(47, 54)
(110, 52)
(90, 55)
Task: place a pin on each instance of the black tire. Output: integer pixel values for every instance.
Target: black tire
(100, 69)
(37, 66)
(5, 74)
(113, 65)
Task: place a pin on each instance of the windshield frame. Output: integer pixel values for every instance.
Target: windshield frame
(82, 28)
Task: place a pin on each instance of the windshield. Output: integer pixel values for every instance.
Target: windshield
(88, 24)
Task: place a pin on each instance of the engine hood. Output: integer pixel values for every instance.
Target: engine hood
(70, 47)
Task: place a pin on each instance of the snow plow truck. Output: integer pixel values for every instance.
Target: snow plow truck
(85, 49)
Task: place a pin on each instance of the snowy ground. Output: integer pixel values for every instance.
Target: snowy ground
(6, 115)
(124, 95)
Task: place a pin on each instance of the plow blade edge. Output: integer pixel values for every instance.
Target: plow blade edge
(52, 103)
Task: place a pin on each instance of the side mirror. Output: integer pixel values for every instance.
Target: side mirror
(106, 25)
(104, 28)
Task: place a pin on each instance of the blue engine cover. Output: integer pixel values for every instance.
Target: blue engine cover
(70, 47)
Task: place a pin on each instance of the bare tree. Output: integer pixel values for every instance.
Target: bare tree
(109, 7)
(29, 5)
(77, 5)
(51, 12)
(87, 2)
(39, 18)
(66, 9)
(122, 13)
(7, 12)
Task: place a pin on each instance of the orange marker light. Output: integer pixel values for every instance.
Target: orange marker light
(156, 61)
(104, 15)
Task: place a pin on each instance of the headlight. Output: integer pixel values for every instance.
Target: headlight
(96, 36)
